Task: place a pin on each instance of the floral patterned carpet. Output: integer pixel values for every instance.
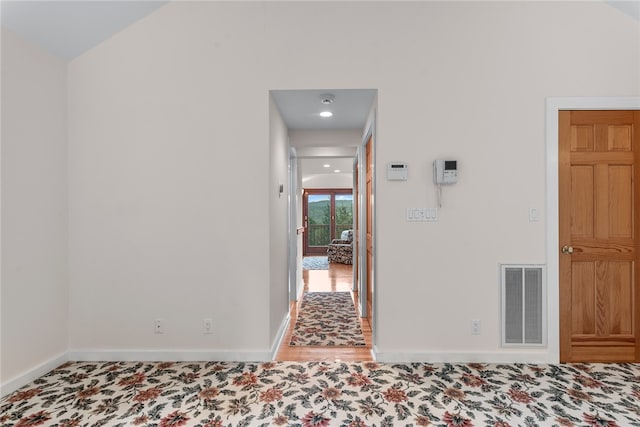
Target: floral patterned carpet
(233, 394)
(327, 319)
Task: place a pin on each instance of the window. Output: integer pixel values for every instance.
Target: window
(327, 213)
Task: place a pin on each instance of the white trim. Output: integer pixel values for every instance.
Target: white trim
(32, 374)
(361, 251)
(553, 107)
(88, 355)
(280, 335)
(530, 356)
(300, 290)
(292, 223)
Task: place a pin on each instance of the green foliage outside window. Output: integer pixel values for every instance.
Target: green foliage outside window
(319, 218)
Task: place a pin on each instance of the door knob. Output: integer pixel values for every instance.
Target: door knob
(567, 250)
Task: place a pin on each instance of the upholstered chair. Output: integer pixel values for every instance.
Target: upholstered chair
(341, 250)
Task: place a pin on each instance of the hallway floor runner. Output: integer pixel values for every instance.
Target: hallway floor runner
(327, 319)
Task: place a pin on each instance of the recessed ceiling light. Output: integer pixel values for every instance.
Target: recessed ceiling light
(326, 165)
(326, 114)
(337, 171)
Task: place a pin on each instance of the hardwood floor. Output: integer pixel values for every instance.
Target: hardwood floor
(337, 279)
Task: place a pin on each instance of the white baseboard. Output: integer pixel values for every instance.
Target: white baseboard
(300, 290)
(531, 356)
(168, 356)
(280, 335)
(32, 374)
(133, 356)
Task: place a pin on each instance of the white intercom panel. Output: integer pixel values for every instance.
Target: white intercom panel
(397, 171)
(445, 172)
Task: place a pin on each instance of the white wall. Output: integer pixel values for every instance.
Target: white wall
(482, 100)
(301, 138)
(278, 222)
(34, 210)
(169, 187)
(314, 142)
(169, 163)
(329, 180)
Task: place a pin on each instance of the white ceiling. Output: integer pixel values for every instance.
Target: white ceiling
(630, 7)
(69, 28)
(301, 108)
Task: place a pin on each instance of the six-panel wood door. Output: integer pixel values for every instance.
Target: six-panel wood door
(598, 219)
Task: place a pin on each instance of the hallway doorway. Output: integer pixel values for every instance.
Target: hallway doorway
(326, 130)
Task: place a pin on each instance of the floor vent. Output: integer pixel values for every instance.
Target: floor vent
(523, 314)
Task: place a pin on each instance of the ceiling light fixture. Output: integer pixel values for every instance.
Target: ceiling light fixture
(327, 165)
(326, 114)
(337, 171)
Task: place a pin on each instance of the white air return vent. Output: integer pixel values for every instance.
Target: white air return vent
(523, 313)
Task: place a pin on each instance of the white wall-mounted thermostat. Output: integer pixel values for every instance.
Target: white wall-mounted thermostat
(397, 171)
(445, 172)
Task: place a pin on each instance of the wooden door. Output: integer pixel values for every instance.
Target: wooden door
(598, 219)
(356, 229)
(369, 226)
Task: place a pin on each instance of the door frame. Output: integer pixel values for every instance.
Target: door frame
(355, 272)
(553, 107)
(363, 208)
(295, 267)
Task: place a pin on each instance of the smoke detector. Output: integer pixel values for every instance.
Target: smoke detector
(327, 98)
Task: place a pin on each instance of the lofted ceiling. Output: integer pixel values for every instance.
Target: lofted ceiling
(69, 28)
(630, 7)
